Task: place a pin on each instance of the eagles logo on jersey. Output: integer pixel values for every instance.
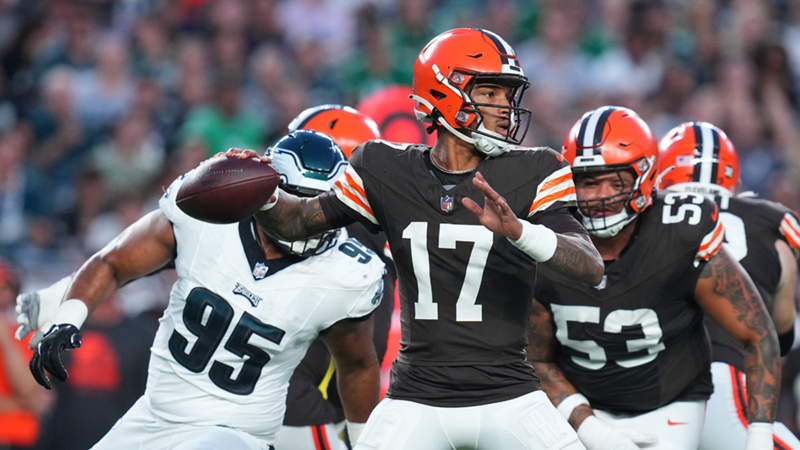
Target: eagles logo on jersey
(638, 343)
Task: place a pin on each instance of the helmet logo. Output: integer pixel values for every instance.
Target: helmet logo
(462, 117)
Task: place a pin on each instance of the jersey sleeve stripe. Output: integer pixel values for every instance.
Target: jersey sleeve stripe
(350, 191)
(791, 230)
(353, 201)
(711, 243)
(556, 187)
(543, 203)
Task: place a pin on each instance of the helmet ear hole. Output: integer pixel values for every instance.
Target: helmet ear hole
(436, 94)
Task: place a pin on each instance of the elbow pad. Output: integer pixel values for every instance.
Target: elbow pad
(786, 340)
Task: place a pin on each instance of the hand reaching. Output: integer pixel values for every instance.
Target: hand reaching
(496, 215)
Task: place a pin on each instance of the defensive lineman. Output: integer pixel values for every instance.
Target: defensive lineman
(241, 315)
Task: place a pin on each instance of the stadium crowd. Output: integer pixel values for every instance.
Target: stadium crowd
(103, 103)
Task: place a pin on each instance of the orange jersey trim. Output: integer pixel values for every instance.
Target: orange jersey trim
(550, 198)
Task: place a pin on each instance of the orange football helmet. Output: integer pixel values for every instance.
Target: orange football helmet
(612, 139)
(698, 157)
(393, 111)
(348, 127)
(444, 74)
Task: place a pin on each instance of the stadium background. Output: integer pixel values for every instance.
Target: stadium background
(103, 103)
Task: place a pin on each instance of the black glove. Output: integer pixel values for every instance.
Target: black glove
(47, 355)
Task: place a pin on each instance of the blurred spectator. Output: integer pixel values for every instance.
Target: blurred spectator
(104, 93)
(21, 195)
(20, 397)
(153, 58)
(326, 22)
(105, 378)
(8, 111)
(60, 139)
(635, 67)
(132, 158)
(225, 124)
(72, 43)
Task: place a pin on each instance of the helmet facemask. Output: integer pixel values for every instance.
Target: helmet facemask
(470, 121)
(633, 200)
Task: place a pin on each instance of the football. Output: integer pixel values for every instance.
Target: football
(227, 190)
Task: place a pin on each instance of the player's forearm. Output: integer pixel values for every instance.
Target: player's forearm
(359, 389)
(94, 282)
(558, 388)
(577, 258)
(763, 378)
(293, 218)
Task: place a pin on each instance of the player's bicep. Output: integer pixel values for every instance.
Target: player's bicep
(541, 334)
(350, 342)
(728, 295)
(141, 249)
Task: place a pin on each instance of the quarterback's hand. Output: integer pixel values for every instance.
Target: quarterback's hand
(496, 215)
(596, 435)
(47, 355)
(244, 154)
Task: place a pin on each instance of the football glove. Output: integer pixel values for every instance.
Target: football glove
(47, 355)
(596, 435)
(36, 310)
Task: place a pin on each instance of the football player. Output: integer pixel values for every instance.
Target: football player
(630, 355)
(242, 314)
(465, 253)
(313, 413)
(765, 238)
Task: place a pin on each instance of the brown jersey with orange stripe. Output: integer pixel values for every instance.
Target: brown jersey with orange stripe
(752, 225)
(464, 291)
(636, 342)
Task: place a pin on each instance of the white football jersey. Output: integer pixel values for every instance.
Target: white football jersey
(233, 332)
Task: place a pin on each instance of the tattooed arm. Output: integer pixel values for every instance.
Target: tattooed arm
(577, 258)
(541, 353)
(728, 295)
(293, 218)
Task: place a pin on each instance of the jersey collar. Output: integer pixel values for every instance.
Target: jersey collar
(260, 266)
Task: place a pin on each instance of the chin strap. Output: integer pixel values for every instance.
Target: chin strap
(600, 227)
(487, 145)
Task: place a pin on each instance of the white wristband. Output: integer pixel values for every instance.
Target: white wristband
(269, 205)
(73, 312)
(759, 436)
(538, 241)
(354, 430)
(570, 403)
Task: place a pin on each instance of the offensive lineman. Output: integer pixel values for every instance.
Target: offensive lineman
(633, 354)
(244, 310)
(465, 271)
(764, 237)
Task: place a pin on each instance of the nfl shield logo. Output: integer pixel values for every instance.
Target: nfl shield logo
(447, 203)
(602, 284)
(260, 271)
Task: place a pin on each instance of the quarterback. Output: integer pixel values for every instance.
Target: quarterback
(465, 253)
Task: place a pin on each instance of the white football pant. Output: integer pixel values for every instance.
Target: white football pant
(314, 437)
(677, 425)
(140, 429)
(529, 422)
